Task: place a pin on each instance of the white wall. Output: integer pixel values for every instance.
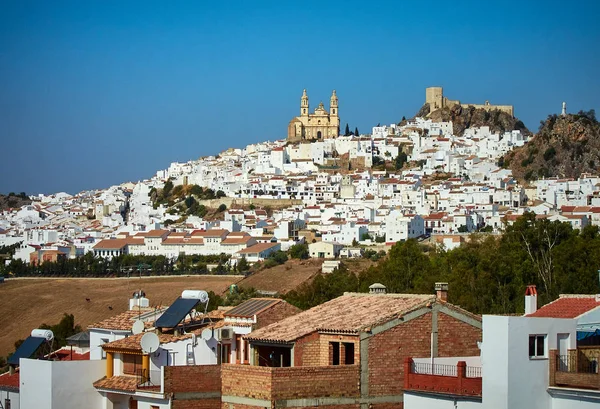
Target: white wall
(13, 396)
(60, 384)
(96, 336)
(510, 378)
(415, 400)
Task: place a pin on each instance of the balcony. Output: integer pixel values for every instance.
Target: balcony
(459, 379)
(578, 369)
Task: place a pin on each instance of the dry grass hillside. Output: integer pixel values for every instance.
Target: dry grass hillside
(27, 303)
(290, 275)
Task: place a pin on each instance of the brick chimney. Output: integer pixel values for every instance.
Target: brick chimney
(441, 291)
(530, 300)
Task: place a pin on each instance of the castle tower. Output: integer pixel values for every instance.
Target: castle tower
(564, 109)
(333, 104)
(304, 104)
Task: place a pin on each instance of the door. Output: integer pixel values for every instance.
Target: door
(562, 342)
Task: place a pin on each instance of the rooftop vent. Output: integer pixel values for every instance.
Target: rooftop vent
(377, 288)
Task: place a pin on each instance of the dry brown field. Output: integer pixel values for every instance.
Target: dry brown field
(27, 303)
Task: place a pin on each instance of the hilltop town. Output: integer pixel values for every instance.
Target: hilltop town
(329, 197)
(338, 194)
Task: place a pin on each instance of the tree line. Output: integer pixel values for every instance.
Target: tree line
(486, 275)
(124, 265)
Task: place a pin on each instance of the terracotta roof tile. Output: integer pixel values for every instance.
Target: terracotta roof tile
(348, 313)
(10, 382)
(119, 383)
(121, 322)
(568, 306)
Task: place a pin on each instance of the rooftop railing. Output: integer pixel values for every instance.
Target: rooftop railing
(579, 368)
(458, 379)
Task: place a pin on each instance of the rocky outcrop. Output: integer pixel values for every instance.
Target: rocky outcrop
(565, 146)
(13, 201)
(468, 117)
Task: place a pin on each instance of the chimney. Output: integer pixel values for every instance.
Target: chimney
(530, 300)
(441, 291)
(377, 288)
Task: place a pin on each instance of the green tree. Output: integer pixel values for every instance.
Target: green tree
(222, 207)
(356, 132)
(196, 190)
(167, 188)
(347, 131)
(242, 265)
(220, 194)
(299, 251)
(401, 160)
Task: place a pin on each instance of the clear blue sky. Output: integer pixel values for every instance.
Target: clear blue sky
(95, 93)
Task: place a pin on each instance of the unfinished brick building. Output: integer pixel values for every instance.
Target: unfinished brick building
(348, 352)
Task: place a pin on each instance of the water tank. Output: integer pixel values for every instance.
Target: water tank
(195, 295)
(42, 333)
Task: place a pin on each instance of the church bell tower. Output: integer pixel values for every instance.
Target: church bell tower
(304, 104)
(333, 104)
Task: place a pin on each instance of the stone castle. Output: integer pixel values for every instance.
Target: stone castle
(434, 96)
(318, 125)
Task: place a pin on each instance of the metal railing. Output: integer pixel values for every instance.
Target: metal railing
(577, 364)
(473, 372)
(424, 368)
(146, 378)
(433, 369)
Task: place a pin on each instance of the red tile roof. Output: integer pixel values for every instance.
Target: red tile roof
(119, 383)
(9, 382)
(568, 306)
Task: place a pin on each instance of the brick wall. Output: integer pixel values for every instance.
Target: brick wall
(197, 378)
(246, 381)
(316, 350)
(197, 404)
(276, 313)
(457, 338)
(316, 382)
(307, 350)
(388, 349)
(290, 383)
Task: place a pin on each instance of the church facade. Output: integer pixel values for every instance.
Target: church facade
(316, 126)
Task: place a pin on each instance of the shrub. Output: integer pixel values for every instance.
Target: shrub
(222, 207)
(299, 251)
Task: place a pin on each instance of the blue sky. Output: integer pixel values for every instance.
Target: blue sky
(95, 93)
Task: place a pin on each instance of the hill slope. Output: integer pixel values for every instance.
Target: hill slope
(463, 118)
(13, 201)
(565, 146)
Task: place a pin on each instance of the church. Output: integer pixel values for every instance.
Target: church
(316, 126)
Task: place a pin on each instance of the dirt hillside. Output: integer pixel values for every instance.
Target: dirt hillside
(27, 303)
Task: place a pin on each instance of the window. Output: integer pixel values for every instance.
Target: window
(104, 341)
(348, 353)
(537, 346)
(334, 347)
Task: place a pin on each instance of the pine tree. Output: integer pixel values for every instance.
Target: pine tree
(347, 132)
(356, 132)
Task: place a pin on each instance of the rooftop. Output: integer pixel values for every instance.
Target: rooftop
(568, 306)
(350, 313)
(253, 306)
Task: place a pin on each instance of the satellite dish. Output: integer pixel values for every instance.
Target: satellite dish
(206, 334)
(149, 342)
(138, 327)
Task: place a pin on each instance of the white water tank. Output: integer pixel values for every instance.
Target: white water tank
(195, 295)
(42, 333)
